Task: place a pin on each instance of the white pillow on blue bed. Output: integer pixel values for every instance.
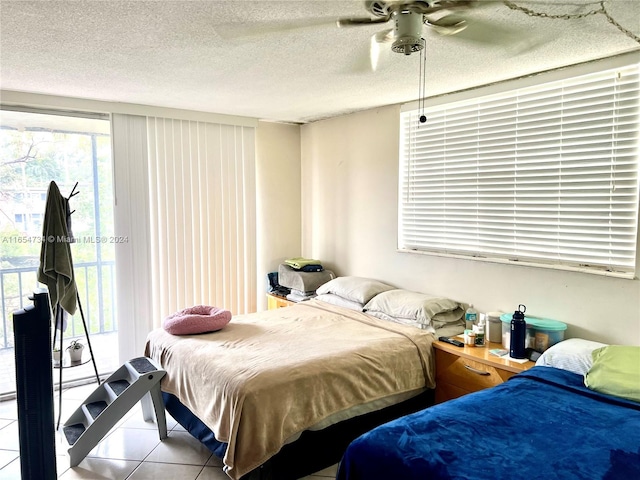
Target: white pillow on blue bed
(574, 355)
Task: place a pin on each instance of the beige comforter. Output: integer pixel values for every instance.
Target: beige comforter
(270, 375)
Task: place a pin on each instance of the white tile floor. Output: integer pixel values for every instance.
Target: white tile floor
(131, 451)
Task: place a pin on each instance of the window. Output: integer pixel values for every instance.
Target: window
(544, 174)
(35, 222)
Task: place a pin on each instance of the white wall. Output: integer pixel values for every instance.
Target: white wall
(278, 199)
(336, 182)
(349, 221)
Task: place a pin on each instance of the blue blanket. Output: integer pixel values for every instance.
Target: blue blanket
(541, 424)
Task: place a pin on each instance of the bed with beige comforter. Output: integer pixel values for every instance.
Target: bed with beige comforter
(268, 376)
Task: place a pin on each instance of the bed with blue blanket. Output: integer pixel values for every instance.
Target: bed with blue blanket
(542, 423)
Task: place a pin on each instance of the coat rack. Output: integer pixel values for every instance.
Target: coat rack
(59, 314)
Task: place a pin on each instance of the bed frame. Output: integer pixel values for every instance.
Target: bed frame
(314, 450)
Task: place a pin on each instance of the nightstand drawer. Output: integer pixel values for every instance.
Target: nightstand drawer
(457, 376)
(274, 302)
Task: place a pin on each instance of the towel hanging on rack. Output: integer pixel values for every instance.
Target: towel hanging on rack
(56, 264)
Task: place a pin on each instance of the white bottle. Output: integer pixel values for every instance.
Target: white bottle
(470, 317)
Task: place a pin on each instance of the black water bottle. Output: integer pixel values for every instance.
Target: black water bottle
(518, 333)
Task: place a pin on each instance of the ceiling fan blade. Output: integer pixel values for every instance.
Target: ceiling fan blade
(374, 53)
(370, 57)
(489, 33)
(447, 25)
(355, 21)
(385, 36)
(232, 31)
(475, 30)
(426, 9)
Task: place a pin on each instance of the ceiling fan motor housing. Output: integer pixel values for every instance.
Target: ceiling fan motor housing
(408, 32)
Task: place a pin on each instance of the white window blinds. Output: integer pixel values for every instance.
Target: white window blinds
(202, 207)
(545, 174)
(186, 204)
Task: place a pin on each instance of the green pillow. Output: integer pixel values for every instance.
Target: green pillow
(615, 371)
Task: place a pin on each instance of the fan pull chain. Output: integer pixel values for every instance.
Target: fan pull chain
(422, 88)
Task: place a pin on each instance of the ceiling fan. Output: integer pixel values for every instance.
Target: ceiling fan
(443, 17)
(409, 16)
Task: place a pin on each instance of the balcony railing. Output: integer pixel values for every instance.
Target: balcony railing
(96, 288)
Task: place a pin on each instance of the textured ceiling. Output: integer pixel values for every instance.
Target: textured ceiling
(242, 57)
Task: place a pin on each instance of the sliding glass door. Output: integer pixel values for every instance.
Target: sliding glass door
(75, 152)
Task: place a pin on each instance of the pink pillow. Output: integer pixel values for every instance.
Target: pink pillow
(198, 319)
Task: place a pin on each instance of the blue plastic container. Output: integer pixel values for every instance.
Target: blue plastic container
(541, 332)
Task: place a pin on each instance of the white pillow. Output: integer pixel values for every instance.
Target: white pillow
(416, 307)
(339, 301)
(356, 289)
(403, 321)
(573, 354)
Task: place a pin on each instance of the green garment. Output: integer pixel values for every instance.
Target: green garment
(300, 262)
(56, 264)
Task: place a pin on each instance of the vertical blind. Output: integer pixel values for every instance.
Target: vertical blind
(545, 174)
(202, 215)
(131, 222)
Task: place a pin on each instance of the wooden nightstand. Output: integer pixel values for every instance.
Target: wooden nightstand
(462, 370)
(274, 301)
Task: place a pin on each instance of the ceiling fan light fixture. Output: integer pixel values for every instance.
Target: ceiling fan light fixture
(408, 45)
